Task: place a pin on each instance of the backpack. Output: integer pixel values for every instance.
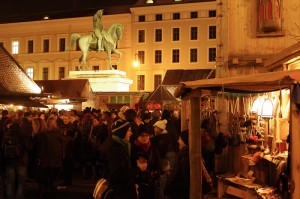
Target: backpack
(10, 145)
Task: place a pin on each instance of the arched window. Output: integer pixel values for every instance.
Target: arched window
(269, 15)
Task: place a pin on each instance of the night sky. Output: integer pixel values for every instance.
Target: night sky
(14, 10)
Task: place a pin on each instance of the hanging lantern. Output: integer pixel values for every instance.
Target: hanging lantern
(257, 105)
(157, 106)
(150, 106)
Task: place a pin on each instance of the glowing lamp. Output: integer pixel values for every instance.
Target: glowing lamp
(267, 109)
(257, 106)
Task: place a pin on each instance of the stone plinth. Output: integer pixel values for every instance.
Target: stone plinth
(104, 80)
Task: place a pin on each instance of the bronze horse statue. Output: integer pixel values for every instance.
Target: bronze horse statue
(88, 43)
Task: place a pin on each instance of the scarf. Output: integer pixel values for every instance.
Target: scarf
(145, 147)
(126, 145)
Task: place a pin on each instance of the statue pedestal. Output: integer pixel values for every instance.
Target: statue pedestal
(104, 80)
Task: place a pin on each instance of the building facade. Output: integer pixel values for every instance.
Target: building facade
(257, 36)
(161, 35)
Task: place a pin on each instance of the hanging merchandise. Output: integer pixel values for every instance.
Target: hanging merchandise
(208, 124)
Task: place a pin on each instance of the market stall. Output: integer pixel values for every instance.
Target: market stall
(234, 97)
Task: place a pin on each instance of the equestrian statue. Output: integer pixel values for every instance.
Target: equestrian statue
(100, 40)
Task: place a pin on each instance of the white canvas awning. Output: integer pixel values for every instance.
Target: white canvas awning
(262, 82)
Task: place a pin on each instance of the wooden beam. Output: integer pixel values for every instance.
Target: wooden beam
(283, 56)
(294, 150)
(195, 147)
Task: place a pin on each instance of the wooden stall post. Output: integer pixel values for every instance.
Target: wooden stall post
(185, 114)
(195, 146)
(294, 150)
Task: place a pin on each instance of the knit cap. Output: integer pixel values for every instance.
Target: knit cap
(142, 129)
(161, 124)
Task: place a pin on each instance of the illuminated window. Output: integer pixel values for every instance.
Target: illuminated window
(141, 57)
(194, 33)
(212, 54)
(157, 81)
(62, 44)
(141, 36)
(158, 35)
(175, 55)
(193, 55)
(29, 72)
(194, 15)
(46, 45)
(141, 82)
(142, 18)
(45, 73)
(158, 56)
(15, 47)
(212, 13)
(30, 46)
(176, 16)
(212, 32)
(158, 17)
(61, 73)
(176, 34)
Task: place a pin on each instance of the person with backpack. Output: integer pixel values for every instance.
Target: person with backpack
(15, 149)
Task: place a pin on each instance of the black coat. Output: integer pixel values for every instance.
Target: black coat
(118, 170)
(178, 184)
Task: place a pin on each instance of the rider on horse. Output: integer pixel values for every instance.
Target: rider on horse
(98, 28)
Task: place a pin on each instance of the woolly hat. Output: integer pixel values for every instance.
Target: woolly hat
(161, 124)
(166, 114)
(120, 128)
(130, 115)
(142, 129)
(4, 113)
(184, 135)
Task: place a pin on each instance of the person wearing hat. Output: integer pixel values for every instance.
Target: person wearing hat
(146, 119)
(162, 141)
(161, 138)
(118, 168)
(178, 183)
(144, 151)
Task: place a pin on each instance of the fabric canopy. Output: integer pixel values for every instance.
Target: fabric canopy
(262, 82)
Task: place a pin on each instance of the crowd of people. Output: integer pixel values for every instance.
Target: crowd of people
(142, 154)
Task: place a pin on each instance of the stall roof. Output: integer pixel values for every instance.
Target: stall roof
(262, 82)
(161, 94)
(173, 77)
(71, 89)
(13, 79)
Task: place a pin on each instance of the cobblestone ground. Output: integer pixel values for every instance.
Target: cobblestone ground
(81, 189)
